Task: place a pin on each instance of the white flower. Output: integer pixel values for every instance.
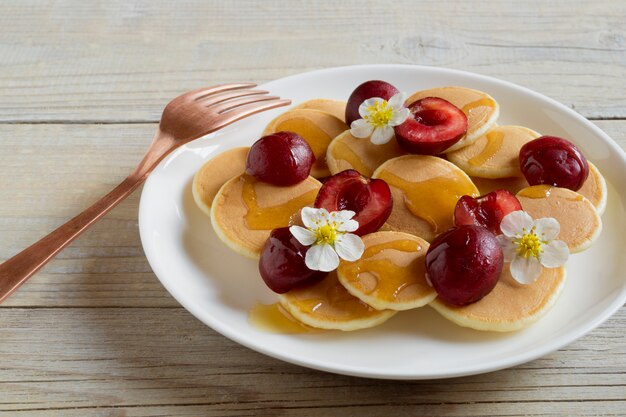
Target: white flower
(378, 118)
(529, 244)
(329, 237)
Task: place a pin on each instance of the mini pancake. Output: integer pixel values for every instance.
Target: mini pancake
(245, 210)
(425, 190)
(391, 274)
(214, 173)
(510, 305)
(335, 107)
(481, 109)
(327, 305)
(348, 152)
(580, 223)
(512, 184)
(594, 189)
(318, 128)
(494, 154)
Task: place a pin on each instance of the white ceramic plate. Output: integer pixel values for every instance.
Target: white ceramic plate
(218, 286)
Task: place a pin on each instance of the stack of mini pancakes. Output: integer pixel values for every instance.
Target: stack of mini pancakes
(390, 276)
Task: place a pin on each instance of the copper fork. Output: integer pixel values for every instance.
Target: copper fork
(187, 117)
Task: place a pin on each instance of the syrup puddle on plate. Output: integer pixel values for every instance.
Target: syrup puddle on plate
(273, 318)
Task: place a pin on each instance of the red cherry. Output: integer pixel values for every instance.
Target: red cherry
(282, 158)
(464, 264)
(282, 264)
(369, 89)
(370, 199)
(554, 161)
(433, 126)
(487, 210)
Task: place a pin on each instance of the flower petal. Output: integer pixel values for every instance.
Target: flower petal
(348, 226)
(382, 135)
(399, 117)
(361, 129)
(508, 247)
(344, 215)
(349, 247)
(513, 223)
(302, 235)
(310, 217)
(321, 258)
(554, 254)
(547, 226)
(368, 103)
(397, 101)
(525, 270)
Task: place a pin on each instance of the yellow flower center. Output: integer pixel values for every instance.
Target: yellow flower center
(379, 114)
(326, 234)
(529, 244)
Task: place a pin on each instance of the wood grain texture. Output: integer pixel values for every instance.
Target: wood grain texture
(121, 61)
(151, 360)
(81, 87)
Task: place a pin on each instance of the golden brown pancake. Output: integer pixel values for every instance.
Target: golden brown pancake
(511, 305)
(594, 189)
(481, 109)
(318, 128)
(512, 185)
(327, 305)
(335, 107)
(245, 210)
(579, 220)
(494, 154)
(348, 152)
(425, 190)
(214, 173)
(391, 272)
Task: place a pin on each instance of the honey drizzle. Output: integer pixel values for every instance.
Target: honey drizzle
(391, 279)
(536, 191)
(432, 200)
(315, 137)
(268, 218)
(544, 191)
(273, 318)
(483, 102)
(342, 151)
(329, 300)
(493, 145)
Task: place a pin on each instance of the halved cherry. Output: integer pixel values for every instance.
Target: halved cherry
(282, 265)
(434, 125)
(370, 199)
(487, 210)
(369, 89)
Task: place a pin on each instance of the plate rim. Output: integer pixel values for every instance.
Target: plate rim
(338, 368)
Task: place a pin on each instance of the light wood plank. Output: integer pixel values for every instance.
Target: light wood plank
(51, 172)
(162, 359)
(122, 61)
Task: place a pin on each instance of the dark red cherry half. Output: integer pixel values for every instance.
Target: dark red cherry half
(487, 210)
(282, 158)
(464, 264)
(434, 125)
(282, 265)
(554, 161)
(369, 198)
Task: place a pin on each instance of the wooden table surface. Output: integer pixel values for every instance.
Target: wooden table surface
(82, 86)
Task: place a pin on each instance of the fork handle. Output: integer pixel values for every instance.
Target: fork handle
(16, 270)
